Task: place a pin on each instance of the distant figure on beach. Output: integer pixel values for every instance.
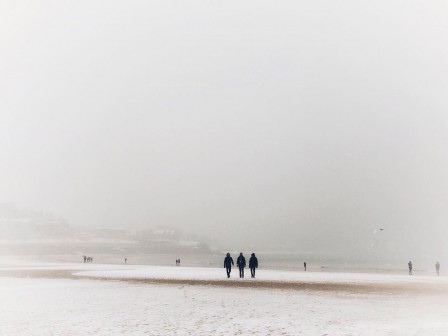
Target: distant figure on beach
(228, 262)
(178, 261)
(410, 267)
(304, 265)
(85, 258)
(437, 268)
(125, 260)
(241, 263)
(253, 264)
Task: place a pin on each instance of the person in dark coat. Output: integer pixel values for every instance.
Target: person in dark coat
(228, 262)
(304, 266)
(253, 264)
(241, 263)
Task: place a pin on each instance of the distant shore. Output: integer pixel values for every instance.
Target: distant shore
(214, 260)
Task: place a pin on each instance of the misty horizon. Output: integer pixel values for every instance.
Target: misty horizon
(309, 126)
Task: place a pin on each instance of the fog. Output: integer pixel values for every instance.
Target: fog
(309, 125)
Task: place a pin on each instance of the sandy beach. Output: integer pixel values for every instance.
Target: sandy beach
(86, 299)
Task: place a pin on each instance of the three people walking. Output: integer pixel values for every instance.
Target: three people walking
(241, 263)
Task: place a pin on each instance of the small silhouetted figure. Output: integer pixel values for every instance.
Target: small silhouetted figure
(85, 258)
(228, 262)
(253, 264)
(125, 260)
(437, 267)
(304, 265)
(241, 262)
(178, 260)
(410, 267)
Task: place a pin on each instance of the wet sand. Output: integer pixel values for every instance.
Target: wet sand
(355, 288)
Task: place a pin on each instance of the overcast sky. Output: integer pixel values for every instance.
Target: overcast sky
(314, 122)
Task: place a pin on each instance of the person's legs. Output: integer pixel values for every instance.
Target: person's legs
(242, 272)
(252, 272)
(228, 270)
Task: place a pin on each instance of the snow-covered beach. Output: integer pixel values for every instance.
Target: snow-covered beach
(86, 299)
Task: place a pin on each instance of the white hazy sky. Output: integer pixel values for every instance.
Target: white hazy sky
(311, 122)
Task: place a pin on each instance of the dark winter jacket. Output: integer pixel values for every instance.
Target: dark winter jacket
(241, 262)
(253, 262)
(228, 262)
